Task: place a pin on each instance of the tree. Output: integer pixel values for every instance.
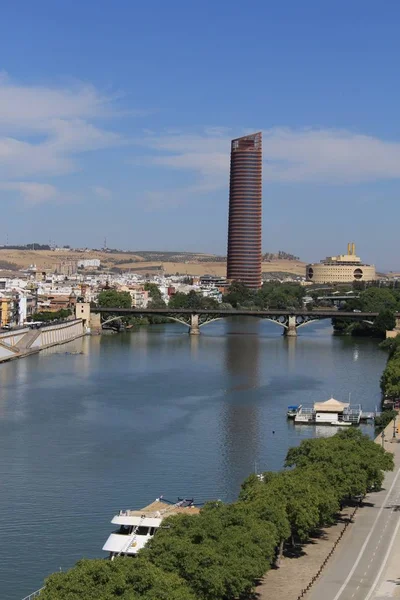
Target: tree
(122, 578)
(114, 299)
(110, 298)
(154, 291)
(280, 295)
(239, 294)
(267, 506)
(351, 462)
(220, 553)
(383, 420)
(61, 314)
(385, 321)
(377, 299)
(390, 380)
(193, 300)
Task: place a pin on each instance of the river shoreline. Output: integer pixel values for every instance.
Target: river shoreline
(298, 569)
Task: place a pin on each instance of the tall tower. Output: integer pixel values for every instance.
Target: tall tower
(245, 207)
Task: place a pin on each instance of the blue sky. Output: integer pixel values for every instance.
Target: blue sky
(116, 120)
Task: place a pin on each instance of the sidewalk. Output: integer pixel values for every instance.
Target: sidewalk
(388, 586)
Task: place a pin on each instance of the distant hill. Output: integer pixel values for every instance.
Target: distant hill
(280, 255)
(142, 261)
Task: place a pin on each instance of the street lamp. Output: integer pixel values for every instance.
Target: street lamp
(394, 428)
(383, 438)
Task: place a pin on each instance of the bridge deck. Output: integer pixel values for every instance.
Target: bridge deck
(328, 314)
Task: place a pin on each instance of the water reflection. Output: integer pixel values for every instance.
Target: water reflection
(149, 412)
(240, 418)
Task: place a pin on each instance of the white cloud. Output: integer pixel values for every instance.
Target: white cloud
(32, 192)
(101, 191)
(289, 155)
(44, 129)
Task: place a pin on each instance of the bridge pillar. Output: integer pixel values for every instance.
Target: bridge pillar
(95, 323)
(194, 328)
(291, 330)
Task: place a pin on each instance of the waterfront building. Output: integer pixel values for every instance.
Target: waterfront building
(344, 268)
(245, 207)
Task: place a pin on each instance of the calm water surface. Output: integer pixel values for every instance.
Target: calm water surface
(148, 413)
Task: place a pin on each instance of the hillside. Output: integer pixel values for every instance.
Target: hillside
(172, 262)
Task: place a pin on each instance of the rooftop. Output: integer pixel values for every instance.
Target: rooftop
(161, 508)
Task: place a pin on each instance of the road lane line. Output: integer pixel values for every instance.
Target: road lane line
(377, 578)
(365, 544)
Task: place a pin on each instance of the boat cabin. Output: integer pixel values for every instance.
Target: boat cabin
(330, 412)
(136, 527)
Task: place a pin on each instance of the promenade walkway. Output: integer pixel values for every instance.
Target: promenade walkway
(366, 564)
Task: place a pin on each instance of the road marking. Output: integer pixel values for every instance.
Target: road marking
(377, 578)
(350, 575)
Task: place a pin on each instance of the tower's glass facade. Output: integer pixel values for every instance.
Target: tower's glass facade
(245, 207)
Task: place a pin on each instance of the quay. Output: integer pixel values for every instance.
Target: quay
(24, 341)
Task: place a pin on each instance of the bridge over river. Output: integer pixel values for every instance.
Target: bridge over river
(289, 320)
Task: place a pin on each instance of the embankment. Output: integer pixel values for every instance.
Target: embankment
(24, 341)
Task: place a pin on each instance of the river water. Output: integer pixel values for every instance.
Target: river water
(153, 412)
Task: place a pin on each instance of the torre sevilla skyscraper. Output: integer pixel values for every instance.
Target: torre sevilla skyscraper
(245, 211)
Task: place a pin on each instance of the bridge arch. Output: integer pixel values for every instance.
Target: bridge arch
(289, 320)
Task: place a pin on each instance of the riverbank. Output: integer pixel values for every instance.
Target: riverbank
(300, 568)
(24, 341)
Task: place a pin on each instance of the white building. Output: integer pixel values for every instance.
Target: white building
(89, 263)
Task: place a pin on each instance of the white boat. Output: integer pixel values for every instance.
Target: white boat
(330, 412)
(293, 410)
(136, 527)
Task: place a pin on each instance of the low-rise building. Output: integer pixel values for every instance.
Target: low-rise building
(344, 268)
(6, 310)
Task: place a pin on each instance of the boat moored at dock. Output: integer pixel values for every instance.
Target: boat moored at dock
(137, 527)
(331, 412)
(293, 410)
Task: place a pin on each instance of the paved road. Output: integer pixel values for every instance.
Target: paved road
(362, 567)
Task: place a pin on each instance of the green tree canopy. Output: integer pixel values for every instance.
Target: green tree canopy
(352, 462)
(277, 295)
(63, 313)
(385, 321)
(378, 299)
(390, 380)
(154, 291)
(122, 578)
(220, 553)
(193, 300)
(239, 294)
(114, 299)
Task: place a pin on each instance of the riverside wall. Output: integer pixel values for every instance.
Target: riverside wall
(24, 341)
